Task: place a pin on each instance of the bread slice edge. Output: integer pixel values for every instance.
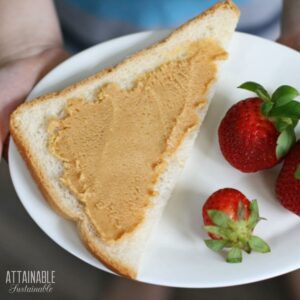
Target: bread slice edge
(32, 162)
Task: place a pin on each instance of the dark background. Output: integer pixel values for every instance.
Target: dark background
(24, 246)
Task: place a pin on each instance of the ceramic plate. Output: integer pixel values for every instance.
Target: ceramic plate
(176, 255)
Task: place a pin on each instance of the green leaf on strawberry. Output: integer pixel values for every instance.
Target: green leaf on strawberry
(241, 211)
(254, 215)
(258, 245)
(285, 141)
(257, 89)
(234, 255)
(219, 218)
(283, 95)
(266, 107)
(289, 110)
(282, 110)
(282, 123)
(217, 231)
(297, 173)
(230, 219)
(216, 245)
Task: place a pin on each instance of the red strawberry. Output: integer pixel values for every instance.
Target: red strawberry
(288, 181)
(257, 132)
(226, 200)
(230, 219)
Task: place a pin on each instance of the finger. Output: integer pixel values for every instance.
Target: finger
(5, 148)
(291, 41)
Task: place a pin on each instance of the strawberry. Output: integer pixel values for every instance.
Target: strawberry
(256, 133)
(229, 219)
(288, 181)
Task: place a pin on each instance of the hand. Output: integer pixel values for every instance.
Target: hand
(292, 40)
(290, 26)
(17, 78)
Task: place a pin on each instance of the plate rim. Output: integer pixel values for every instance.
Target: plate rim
(13, 170)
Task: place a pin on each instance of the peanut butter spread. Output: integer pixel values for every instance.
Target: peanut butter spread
(114, 148)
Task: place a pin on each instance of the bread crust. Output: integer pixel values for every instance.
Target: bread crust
(33, 164)
(115, 266)
(50, 195)
(228, 4)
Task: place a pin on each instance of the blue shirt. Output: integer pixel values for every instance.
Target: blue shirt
(86, 22)
(146, 13)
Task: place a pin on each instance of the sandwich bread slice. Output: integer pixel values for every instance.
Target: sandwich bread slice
(106, 152)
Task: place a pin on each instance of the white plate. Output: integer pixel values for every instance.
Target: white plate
(176, 255)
